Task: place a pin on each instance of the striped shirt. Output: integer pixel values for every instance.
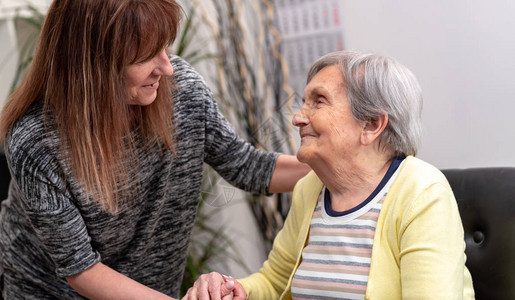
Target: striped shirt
(336, 262)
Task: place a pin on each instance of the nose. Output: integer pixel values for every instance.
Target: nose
(163, 65)
(300, 119)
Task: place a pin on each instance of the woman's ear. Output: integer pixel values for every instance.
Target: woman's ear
(372, 129)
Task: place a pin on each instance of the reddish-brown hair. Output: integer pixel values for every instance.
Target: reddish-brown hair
(77, 70)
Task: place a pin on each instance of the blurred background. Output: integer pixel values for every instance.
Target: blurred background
(255, 55)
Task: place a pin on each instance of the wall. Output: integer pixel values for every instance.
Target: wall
(461, 52)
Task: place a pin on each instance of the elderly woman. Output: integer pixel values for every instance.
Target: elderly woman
(371, 221)
(106, 138)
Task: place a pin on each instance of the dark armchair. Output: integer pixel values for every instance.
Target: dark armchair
(486, 200)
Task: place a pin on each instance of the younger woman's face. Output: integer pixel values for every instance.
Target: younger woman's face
(143, 78)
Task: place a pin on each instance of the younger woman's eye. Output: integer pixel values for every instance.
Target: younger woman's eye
(142, 60)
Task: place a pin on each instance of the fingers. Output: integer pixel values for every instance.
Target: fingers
(228, 297)
(210, 286)
(238, 291)
(191, 294)
(205, 291)
(236, 288)
(226, 287)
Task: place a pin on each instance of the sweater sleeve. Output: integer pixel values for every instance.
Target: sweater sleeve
(56, 222)
(236, 160)
(432, 246)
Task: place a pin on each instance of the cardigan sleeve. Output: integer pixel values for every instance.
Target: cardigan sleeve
(418, 250)
(432, 246)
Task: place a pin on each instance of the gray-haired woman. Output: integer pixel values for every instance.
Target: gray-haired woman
(371, 221)
(106, 138)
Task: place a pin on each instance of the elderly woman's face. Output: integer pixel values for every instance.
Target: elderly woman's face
(326, 125)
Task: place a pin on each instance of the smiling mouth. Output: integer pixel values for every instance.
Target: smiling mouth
(306, 134)
(151, 85)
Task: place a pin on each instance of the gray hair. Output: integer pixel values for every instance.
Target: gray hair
(376, 85)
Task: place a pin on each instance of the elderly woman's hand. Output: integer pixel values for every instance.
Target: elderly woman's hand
(217, 287)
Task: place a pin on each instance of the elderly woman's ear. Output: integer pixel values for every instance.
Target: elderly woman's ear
(372, 129)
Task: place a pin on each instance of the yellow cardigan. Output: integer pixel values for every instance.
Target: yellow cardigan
(418, 251)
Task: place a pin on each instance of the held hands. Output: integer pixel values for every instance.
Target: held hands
(217, 287)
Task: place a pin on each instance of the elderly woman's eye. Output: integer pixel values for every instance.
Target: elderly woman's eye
(320, 100)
